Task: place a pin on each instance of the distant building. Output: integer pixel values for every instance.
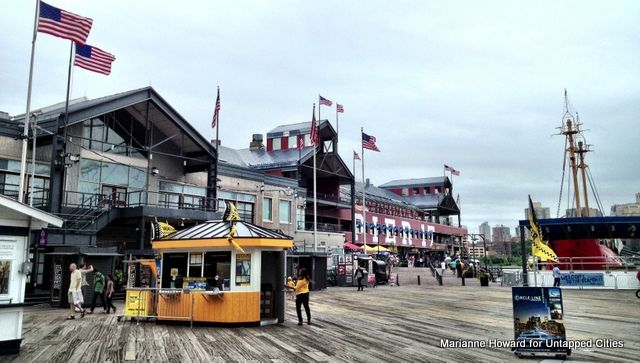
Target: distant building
(541, 212)
(571, 213)
(501, 240)
(627, 209)
(485, 230)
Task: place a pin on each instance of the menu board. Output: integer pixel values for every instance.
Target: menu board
(243, 269)
(57, 282)
(7, 252)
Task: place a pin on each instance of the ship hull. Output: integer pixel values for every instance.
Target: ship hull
(585, 254)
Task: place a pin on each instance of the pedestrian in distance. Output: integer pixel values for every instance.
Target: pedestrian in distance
(302, 295)
(98, 291)
(75, 292)
(109, 294)
(359, 275)
(556, 276)
(443, 268)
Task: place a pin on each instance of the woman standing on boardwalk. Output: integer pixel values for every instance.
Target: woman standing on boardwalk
(301, 289)
(109, 294)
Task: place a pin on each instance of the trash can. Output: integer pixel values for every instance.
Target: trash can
(484, 280)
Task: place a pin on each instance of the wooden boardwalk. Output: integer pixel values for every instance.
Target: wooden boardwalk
(389, 324)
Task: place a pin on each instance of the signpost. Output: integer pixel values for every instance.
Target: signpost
(538, 321)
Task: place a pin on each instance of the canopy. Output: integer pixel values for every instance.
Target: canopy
(215, 234)
(351, 246)
(372, 249)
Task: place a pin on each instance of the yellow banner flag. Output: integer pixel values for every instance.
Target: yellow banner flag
(538, 248)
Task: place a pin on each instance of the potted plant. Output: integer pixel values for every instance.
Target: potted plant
(484, 278)
(118, 279)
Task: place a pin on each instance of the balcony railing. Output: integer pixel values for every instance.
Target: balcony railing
(321, 227)
(330, 197)
(139, 198)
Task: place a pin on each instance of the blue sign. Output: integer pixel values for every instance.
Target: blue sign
(582, 279)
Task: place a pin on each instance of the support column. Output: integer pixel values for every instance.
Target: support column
(56, 184)
(353, 211)
(524, 258)
(141, 234)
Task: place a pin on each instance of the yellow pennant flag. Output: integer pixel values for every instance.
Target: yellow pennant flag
(538, 248)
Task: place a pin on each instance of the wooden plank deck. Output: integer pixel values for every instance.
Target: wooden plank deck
(387, 323)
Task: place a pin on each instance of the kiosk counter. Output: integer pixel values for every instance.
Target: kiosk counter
(205, 276)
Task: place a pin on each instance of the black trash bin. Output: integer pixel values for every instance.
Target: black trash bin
(484, 280)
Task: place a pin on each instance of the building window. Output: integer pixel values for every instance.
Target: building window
(307, 139)
(300, 218)
(276, 143)
(416, 191)
(285, 211)
(293, 142)
(267, 209)
(328, 146)
(405, 192)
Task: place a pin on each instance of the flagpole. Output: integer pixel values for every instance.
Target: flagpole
(25, 132)
(337, 124)
(215, 167)
(364, 205)
(315, 196)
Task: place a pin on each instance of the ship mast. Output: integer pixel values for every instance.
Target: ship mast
(569, 129)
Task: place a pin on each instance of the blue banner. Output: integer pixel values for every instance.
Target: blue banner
(582, 279)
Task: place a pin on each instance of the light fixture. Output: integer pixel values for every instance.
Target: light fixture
(155, 171)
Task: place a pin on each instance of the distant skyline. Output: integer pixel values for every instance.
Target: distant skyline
(477, 86)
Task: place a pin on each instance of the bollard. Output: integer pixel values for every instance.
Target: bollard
(418, 280)
(463, 281)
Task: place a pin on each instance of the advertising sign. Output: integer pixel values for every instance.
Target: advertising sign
(582, 279)
(342, 269)
(138, 303)
(538, 320)
(243, 269)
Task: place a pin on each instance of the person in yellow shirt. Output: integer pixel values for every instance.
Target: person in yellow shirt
(75, 292)
(301, 289)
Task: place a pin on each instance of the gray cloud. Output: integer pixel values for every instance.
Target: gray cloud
(474, 85)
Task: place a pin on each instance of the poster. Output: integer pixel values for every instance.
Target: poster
(243, 269)
(342, 270)
(538, 319)
(5, 276)
(57, 282)
(349, 274)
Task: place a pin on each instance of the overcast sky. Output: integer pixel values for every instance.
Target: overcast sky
(475, 85)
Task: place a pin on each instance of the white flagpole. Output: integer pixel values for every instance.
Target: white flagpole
(364, 205)
(25, 132)
(315, 196)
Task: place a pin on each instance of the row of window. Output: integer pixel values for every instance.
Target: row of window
(284, 210)
(416, 191)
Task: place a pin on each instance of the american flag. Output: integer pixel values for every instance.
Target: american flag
(452, 170)
(314, 129)
(356, 156)
(369, 142)
(63, 24)
(324, 101)
(93, 59)
(216, 111)
(339, 108)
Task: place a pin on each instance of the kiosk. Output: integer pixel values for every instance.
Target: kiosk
(222, 272)
(17, 220)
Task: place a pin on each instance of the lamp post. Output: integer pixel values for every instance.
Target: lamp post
(474, 238)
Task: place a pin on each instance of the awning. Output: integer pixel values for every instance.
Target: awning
(351, 246)
(372, 249)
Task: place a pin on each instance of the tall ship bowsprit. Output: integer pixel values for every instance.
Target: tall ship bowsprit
(583, 239)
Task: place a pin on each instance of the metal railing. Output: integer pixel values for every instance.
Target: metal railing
(322, 227)
(138, 198)
(607, 263)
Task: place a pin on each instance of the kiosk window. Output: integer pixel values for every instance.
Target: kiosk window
(243, 269)
(176, 263)
(195, 264)
(217, 263)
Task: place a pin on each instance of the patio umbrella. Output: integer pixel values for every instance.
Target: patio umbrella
(371, 249)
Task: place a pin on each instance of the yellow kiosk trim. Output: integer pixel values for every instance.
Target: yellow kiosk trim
(222, 242)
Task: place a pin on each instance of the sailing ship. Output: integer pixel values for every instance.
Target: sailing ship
(585, 233)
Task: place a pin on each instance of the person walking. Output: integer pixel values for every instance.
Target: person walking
(75, 292)
(359, 276)
(109, 294)
(98, 290)
(556, 276)
(302, 295)
(443, 268)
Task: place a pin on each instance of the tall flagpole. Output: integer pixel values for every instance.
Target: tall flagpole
(364, 205)
(25, 132)
(337, 124)
(215, 109)
(315, 197)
